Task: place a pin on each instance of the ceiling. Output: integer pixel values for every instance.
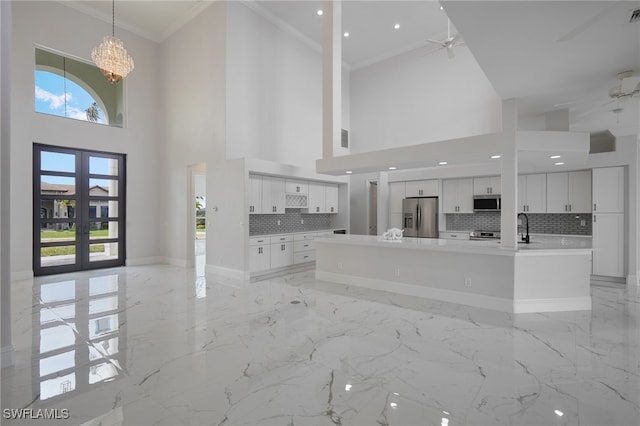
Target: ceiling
(548, 55)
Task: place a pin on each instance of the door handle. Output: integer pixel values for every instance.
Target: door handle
(418, 216)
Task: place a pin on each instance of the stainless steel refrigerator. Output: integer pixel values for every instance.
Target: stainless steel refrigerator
(420, 217)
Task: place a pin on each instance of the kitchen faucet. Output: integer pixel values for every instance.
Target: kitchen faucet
(524, 238)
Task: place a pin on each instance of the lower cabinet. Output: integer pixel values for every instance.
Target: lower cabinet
(279, 251)
(260, 254)
(608, 244)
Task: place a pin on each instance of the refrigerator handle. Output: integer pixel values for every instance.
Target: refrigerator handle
(419, 217)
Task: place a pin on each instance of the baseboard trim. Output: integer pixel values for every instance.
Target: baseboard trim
(140, 261)
(175, 261)
(7, 359)
(469, 299)
(22, 275)
(527, 306)
(235, 274)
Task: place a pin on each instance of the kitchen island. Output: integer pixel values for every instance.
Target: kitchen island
(552, 273)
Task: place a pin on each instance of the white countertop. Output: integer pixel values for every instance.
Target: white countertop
(539, 244)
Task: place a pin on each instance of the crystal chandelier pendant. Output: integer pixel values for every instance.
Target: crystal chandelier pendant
(112, 59)
(111, 56)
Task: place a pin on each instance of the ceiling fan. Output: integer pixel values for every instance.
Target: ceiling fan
(629, 86)
(450, 42)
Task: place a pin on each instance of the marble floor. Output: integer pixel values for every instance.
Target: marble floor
(163, 345)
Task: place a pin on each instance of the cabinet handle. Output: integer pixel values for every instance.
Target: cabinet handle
(594, 218)
(297, 189)
(259, 250)
(282, 247)
(565, 207)
(594, 207)
(318, 209)
(569, 207)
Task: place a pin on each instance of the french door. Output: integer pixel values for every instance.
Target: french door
(78, 209)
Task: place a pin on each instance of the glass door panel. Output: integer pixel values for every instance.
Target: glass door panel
(78, 209)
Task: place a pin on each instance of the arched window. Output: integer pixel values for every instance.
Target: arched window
(70, 88)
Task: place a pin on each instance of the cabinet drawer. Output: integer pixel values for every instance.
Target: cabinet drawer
(256, 241)
(454, 235)
(299, 246)
(280, 238)
(303, 257)
(303, 237)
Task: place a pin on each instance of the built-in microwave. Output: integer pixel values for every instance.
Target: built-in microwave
(487, 203)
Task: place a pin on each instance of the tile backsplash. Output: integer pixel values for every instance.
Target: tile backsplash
(539, 223)
(264, 224)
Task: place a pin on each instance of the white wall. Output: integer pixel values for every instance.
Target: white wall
(274, 92)
(416, 98)
(76, 34)
(194, 127)
(6, 345)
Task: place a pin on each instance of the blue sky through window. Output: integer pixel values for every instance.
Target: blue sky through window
(51, 98)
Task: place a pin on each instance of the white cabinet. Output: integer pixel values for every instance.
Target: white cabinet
(273, 199)
(487, 185)
(317, 197)
(422, 188)
(259, 254)
(304, 249)
(608, 190)
(532, 193)
(281, 254)
(608, 244)
(569, 192)
(331, 198)
(296, 186)
(255, 194)
(457, 196)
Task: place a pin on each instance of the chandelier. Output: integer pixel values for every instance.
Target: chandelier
(111, 56)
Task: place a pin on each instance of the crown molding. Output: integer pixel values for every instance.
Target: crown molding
(127, 26)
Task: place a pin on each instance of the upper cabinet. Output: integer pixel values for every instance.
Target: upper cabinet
(457, 196)
(608, 190)
(421, 188)
(487, 185)
(331, 198)
(317, 197)
(532, 193)
(255, 194)
(296, 187)
(569, 192)
(273, 199)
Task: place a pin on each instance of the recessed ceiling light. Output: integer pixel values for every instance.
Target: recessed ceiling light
(443, 163)
(348, 172)
(320, 12)
(441, 8)
(392, 168)
(495, 156)
(553, 157)
(346, 34)
(559, 163)
(396, 26)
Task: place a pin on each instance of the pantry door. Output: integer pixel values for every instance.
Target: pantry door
(78, 209)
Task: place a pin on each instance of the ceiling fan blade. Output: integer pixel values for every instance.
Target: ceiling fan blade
(630, 84)
(440, 42)
(593, 110)
(586, 24)
(455, 39)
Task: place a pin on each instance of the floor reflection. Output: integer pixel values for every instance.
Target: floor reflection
(79, 337)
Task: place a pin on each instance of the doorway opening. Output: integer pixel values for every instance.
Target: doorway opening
(78, 209)
(198, 215)
(372, 207)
